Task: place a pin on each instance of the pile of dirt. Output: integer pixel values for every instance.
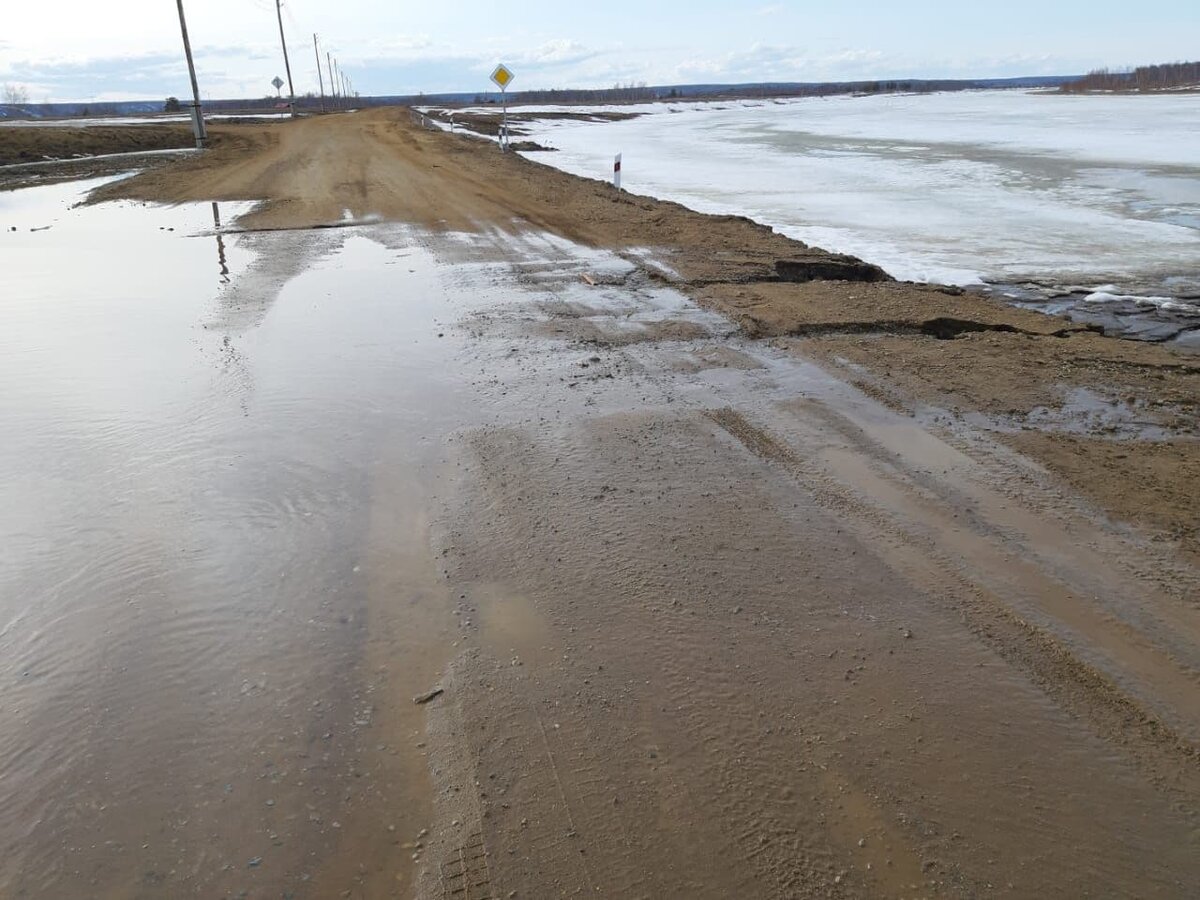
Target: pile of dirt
(39, 143)
(857, 306)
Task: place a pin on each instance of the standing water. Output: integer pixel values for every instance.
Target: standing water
(214, 481)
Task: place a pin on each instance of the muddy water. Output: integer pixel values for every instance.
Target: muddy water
(216, 590)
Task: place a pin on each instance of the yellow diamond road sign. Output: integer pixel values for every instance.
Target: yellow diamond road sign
(503, 76)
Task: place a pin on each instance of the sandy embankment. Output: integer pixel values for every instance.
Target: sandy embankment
(1014, 366)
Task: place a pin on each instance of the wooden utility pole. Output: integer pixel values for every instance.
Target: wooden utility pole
(197, 113)
(320, 77)
(286, 65)
(332, 83)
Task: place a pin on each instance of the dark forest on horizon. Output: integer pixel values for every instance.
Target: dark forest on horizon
(1172, 76)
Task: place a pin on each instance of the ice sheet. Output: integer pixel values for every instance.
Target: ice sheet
(997, 186)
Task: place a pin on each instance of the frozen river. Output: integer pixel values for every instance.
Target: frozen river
(1100, 194)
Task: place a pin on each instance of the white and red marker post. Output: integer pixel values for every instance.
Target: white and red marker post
(617, 172)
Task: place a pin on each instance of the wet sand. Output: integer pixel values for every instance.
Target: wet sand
(722, 604)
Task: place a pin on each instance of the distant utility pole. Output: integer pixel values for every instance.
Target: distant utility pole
(197, 113)
(332, 83)
(320, 77)
(287, 65)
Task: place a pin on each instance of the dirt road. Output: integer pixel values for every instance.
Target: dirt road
(727, 591)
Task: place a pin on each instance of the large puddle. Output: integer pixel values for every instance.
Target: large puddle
(214, 486)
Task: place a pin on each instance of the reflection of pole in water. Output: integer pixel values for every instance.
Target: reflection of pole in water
(220, 245)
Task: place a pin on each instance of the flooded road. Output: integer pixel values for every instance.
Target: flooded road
(708, 622)
(212, 475)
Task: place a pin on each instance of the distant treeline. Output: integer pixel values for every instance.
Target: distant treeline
(627, 93)
(642, 93)
(1146, 78)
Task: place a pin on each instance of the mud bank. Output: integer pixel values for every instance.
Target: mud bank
(40, 143)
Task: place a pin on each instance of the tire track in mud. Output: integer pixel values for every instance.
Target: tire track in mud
(852, 821)
(1169, 760)
(772, 748)
(545, 818)
(756, 801)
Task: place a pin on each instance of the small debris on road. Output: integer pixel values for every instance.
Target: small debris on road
(422, 699)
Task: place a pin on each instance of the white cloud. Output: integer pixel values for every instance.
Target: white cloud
(557, 52)
(404, 48)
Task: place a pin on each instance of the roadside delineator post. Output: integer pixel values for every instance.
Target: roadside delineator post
(617, 172)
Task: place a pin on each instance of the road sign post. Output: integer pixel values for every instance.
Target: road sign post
(502, 78)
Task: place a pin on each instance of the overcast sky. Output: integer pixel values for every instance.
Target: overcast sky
(130, 49)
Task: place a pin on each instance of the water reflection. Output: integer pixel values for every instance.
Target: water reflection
(222, 260)
(190, 558)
